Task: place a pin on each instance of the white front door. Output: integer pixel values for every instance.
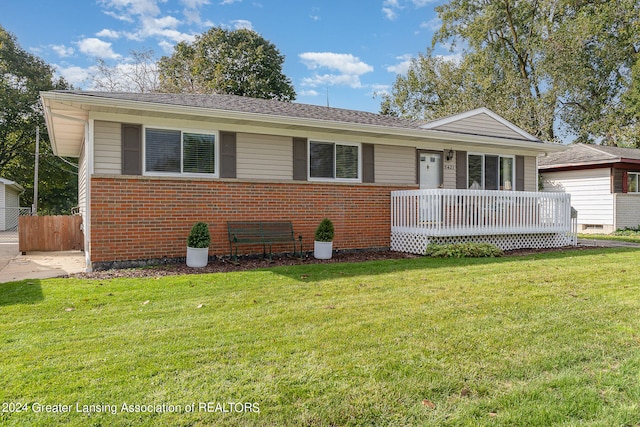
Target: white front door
(430, 178)
(430, 170)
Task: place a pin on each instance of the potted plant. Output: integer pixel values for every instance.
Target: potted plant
(198, 245)
(323, 244)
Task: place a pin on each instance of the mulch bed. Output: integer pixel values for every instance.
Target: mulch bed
(223, 265)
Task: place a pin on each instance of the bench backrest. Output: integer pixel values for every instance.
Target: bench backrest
(268, 231)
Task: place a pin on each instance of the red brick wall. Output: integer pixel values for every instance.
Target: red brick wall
(145, 218)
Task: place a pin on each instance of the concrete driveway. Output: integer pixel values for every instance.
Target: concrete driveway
(37, 265)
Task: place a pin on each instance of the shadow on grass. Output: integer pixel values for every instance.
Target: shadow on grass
(331, 270)
(23, 292)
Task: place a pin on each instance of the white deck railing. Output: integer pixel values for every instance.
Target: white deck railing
(439, 213)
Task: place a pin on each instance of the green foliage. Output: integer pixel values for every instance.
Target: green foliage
(628, 231)
(463, 250)
(22, 77)
(239, 62)
(325, 231)
(199, 236)
(544, 65)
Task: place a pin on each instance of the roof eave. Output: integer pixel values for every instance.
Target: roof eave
(419, 133)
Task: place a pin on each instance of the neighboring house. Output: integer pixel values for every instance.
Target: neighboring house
(9, 204)
(603, 183)
(153, 164)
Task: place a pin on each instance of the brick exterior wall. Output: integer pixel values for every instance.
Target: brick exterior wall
(143, 218)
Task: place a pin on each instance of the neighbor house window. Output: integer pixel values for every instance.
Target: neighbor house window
(328, 160)
(490, 172)
(632, 181)
(175, 151)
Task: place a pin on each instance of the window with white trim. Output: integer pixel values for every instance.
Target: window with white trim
(490, 172)
(179, 152)
(632, 182)
(334, 161)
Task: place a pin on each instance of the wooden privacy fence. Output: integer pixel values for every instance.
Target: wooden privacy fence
(50, 233)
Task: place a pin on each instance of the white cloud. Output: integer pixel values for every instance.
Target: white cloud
(348, 67)
(390, 8)
(62, 50)
(310, 92)
(242, 24)
(77, 76)
(134, 7)
(342, 62)
(389, 13)
(225, 2)
(110, 34)
(95, 47)
(194, 4)
(380, 90)
(433, 24)
(192, 10)
(403, 66)
(148, 21)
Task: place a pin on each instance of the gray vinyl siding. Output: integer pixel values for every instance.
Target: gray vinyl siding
(107, 148)
(481, 124)
(264, 157)
(530, 173)
(395, 165)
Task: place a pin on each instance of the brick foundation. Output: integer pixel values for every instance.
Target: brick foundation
(149, 219)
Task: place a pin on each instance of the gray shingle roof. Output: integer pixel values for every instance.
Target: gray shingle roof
(584, 154)
(258, 106)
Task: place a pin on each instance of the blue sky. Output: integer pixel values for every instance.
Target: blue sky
(351, 49)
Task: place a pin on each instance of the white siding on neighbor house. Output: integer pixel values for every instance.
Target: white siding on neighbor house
(107, 148)
(590, 193)
(264, 157)
(481, 124)
(394, 164)
(627, 210)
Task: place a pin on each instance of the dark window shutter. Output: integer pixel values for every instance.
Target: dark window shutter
(519, 173)
(131, 149)
(625, 182)
(300, 159)
(461, 169)
(227, 155)
(368, 163)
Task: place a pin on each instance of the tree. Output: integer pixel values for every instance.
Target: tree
(138, 74)
(22, 77)
(239, 62)
(544, 65)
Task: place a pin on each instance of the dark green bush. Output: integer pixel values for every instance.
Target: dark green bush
(199, 236)
(627, 231)
(463, 250)
(324, 232)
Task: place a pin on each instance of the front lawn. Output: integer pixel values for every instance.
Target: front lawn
(548, 339)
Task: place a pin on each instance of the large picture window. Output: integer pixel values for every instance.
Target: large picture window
(174, 151)
(490, 172)
(328, 160)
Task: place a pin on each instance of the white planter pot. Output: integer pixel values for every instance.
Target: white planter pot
(322, 250)
(197, 257)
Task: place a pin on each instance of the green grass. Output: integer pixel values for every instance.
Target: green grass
(619, 236)
(549, 339)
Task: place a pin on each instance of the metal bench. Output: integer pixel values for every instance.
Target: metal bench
(264, 233)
